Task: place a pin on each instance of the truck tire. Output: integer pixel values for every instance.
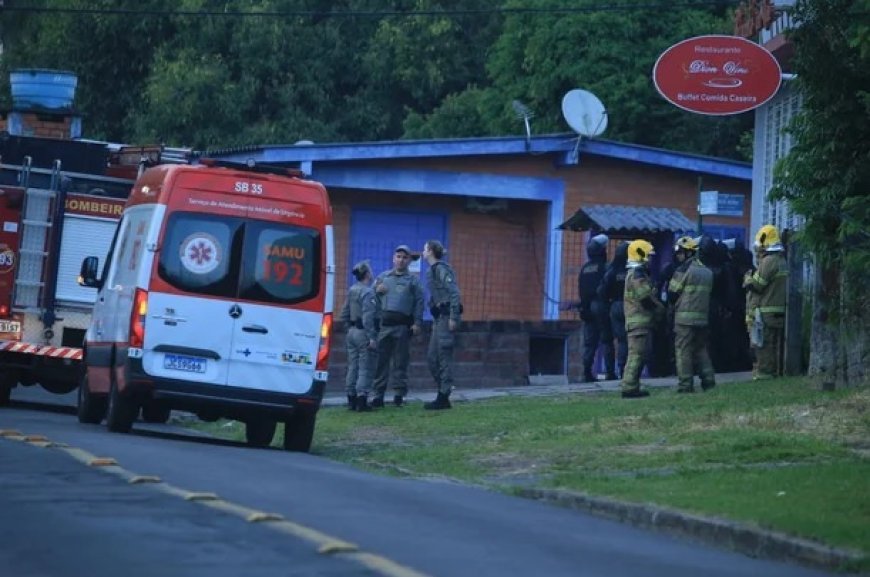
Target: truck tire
(260, 432)
(122, 411)
(59, 387)
(299, 431)
(7, 382)
(91, 407)
(153, 412)
(5, 393)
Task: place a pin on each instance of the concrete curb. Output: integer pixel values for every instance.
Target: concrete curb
(746, 539)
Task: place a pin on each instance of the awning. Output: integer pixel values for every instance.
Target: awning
(613, 218)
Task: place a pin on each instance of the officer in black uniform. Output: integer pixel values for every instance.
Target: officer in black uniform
(612, 290)
(594, 311)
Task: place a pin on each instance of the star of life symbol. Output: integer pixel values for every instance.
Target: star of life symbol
(200, 253)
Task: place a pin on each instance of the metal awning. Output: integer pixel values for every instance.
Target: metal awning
(614, 218)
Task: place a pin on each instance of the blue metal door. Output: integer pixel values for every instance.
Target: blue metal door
(375, 233)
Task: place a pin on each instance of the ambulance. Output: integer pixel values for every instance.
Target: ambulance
(215, 298)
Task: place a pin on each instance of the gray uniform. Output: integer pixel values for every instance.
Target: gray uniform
(359, 312)
(445, 304)
(399, 307)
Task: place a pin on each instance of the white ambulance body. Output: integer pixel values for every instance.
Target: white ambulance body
(216, 298)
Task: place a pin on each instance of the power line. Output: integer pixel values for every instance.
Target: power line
(375, 13)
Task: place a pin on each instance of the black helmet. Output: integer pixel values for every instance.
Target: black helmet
(620, 255)
(707, 248)
(597, 246)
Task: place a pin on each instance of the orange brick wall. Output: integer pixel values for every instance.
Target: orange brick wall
(42, 125)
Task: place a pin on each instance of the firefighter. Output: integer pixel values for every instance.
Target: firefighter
(594, 311)
(664, 357)
(769, 283)
(690, 290)
(642, 310)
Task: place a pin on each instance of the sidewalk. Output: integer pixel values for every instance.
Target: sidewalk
(333, 400)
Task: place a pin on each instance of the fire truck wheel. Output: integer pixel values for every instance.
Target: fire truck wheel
(8, 380)
(299, 431)
(260, 432)
(91, 407)
(59, 387)
(155, 413)
(122, 411)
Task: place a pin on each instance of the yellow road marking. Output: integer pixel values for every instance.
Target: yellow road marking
(326, 544)
(102, 462)
(193, 496)
(138, 479)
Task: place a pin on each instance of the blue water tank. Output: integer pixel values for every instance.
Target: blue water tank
(40, 88)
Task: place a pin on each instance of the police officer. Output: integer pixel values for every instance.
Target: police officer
(769, 283)
(690, 289)
(359, 313)
(642, 310)
(612, 290)
(593, 309)
(446, 307)
(400, 299)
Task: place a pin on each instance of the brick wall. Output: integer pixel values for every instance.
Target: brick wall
(488, 354)
(39, 124)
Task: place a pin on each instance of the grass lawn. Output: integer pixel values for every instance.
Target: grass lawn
(780, 454)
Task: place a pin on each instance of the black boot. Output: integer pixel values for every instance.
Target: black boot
(442, 401)
(634, 394)
(362, 404)
(377, 402)
(398, 400)
(351, 402)
(588, 377)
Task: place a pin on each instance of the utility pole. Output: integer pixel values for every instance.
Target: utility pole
(700, 217)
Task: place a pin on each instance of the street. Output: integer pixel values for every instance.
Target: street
(62, 516)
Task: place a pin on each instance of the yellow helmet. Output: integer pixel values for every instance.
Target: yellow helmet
(686, 243)
(766, 236)
(640, 251)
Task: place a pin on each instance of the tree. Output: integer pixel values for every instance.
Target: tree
(826, 175)
(612, 53)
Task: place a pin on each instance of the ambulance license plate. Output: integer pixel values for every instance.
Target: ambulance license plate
(10, 327)
(184, 363)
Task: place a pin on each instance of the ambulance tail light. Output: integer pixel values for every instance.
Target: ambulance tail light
(4, 311)
(137, 318)
(325, 337)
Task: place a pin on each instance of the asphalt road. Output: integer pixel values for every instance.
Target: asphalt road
(60, 517)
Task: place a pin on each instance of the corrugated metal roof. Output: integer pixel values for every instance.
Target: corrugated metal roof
(613, 218)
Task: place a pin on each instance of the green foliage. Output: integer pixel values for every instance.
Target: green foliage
(826, 175)
(221, 80)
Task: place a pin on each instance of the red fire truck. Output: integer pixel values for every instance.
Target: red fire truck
(60, 201)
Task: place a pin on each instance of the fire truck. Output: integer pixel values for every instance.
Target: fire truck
(60, 201)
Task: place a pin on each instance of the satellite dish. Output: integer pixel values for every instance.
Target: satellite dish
(584, 112)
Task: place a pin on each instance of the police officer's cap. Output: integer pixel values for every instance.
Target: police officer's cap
(407, 250)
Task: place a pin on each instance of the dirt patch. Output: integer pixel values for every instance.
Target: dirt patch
(513, 469)
(650, 448)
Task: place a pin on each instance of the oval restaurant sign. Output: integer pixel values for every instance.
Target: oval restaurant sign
(717, 75)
